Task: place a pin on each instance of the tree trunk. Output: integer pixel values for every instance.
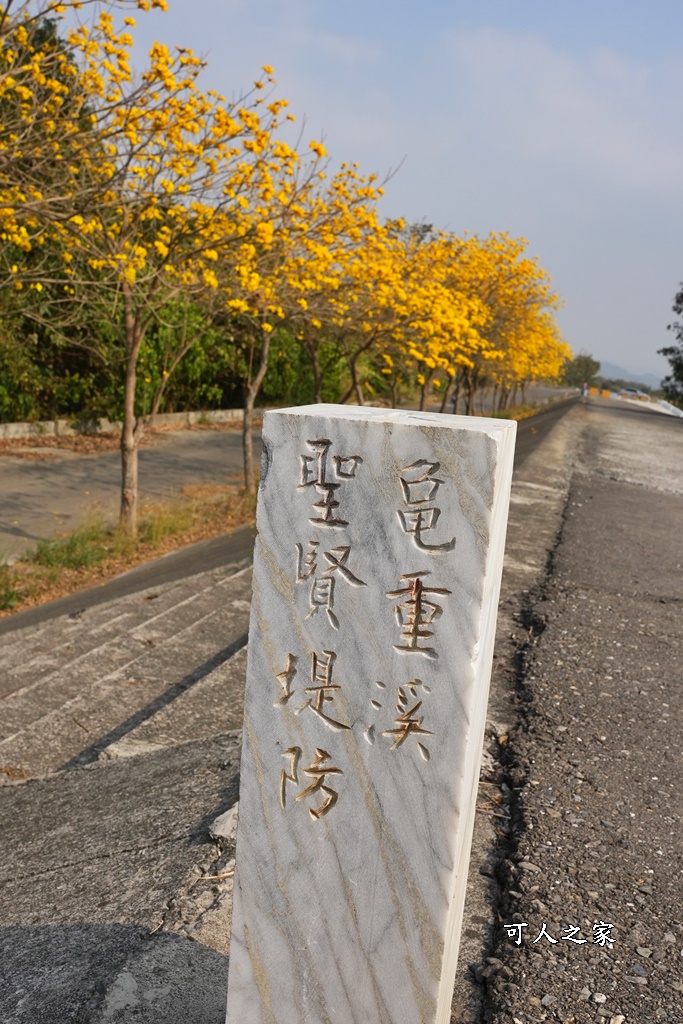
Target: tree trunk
(456, 398)
(446, 393)
(250, 397)
(352, 363)
(471, 385)
(128, 516)
(317, 377)
(355, 383)
(132, 431)
(248, 443)
(423, 391)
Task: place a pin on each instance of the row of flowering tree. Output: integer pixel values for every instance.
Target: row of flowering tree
(137, 212)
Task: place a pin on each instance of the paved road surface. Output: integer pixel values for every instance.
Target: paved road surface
(115, 887)
(38, 498)
(219, 551)
(592, 767)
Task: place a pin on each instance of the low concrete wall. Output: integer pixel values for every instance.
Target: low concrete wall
(65, 428)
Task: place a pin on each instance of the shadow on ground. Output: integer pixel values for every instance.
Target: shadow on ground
(92, 974)
(93, 862)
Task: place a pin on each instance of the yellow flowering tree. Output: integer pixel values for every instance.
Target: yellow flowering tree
(175, 179)
(444, 332)
(520, 331)
(284, 274)
(397, 307)
(323, 273)
(507, 335)
(46, 125)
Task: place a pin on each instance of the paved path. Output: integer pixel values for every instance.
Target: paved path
(592, 769)
(120, 745)
(58, 492)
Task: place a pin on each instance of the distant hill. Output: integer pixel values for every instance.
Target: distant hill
(614, 372)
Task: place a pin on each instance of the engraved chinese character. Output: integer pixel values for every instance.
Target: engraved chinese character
(408, 723)
(416, 612)
(318, 772)
(315, 472)
(369, 733)
(306, 563)
(323, 689)
(294, 755)
(322, 596)
(338, 558)
(419, 484)
(285, 680)
(322, 587)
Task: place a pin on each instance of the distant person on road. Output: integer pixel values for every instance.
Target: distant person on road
(584, 390)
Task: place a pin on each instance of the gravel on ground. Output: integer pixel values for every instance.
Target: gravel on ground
(590, 873)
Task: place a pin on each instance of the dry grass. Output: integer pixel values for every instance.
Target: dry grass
(95, 553)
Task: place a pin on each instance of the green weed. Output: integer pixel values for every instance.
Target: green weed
(9, 595)
(95, 551)
(165, 520)
(86, 546)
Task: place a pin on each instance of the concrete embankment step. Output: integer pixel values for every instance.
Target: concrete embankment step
(123, 648)
(121, 670)
(34, 651)
(210, 708)
(156, 678)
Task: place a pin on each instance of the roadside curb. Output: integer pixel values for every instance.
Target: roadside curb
(73, 427)
(217, 552)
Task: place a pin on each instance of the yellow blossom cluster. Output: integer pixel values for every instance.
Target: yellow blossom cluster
(150, 191)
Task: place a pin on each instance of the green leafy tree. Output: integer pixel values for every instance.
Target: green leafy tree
(672, 385)
(579, 370)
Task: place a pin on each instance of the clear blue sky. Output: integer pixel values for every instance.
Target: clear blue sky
(557, 121)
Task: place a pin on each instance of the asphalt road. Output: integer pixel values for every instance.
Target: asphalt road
(592, 766)
(530, 432)
(38, 498)
(181, 457)
(106, 906)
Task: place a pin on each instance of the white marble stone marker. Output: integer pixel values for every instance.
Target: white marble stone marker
(376, 580)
